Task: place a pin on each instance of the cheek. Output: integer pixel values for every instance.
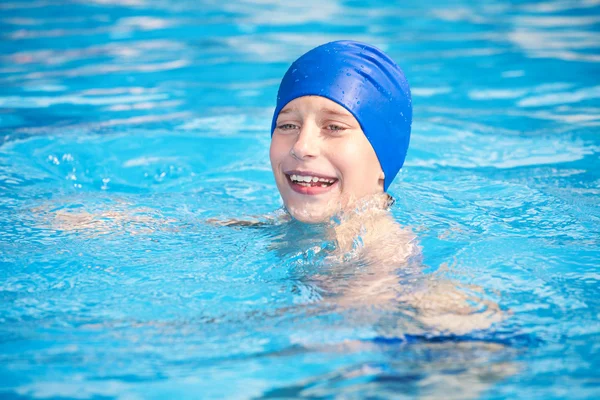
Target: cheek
(277, 151)
(350, 157)
(357, 162)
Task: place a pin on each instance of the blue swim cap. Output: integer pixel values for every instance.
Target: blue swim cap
(366, 82)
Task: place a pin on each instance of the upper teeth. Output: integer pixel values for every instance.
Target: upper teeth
(306, 178)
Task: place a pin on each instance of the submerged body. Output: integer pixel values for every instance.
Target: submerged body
(368, 261)
(364, 260)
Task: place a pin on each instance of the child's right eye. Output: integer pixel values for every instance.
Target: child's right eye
(287, 127)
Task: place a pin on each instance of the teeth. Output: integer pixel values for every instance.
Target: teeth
(309, 179)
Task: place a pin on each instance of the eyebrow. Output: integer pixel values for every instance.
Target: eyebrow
(335, 112)
(324, 110)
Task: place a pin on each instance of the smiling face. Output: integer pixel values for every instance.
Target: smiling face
(321, 159)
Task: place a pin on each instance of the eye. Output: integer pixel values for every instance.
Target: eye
(287, 127)
(335, 128)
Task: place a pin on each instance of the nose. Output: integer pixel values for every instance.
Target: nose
(307, 143)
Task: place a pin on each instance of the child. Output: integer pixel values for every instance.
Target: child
(340, 133)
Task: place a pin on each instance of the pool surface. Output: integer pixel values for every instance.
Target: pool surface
(126, 125)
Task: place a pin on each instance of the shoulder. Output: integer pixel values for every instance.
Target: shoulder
(391, 242)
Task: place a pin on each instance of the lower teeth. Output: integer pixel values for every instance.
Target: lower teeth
(309, 184)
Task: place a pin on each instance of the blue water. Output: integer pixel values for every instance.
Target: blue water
(125, 125)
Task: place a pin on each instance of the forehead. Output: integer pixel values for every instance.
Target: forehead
(315, 104)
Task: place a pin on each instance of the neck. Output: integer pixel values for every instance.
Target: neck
(363, 223)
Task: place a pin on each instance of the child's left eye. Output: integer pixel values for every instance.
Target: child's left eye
(335, 128)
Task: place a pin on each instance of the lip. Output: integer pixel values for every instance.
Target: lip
(309, 190)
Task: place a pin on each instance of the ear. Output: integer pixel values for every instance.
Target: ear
(381, 179)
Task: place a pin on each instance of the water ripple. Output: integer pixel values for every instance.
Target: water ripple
(127, 126)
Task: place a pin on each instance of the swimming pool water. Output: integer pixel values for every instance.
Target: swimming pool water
(125, 125)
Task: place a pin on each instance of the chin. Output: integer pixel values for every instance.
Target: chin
(309, 214)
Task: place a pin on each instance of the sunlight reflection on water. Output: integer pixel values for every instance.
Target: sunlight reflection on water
(125, 125)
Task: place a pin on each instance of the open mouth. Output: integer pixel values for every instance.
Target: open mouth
(313, 181)
(309, 183)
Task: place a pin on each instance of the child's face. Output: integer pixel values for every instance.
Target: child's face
(321, 159)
